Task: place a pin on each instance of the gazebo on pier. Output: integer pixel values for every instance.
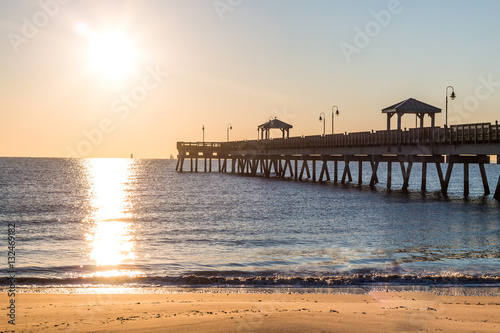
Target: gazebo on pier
(274, 123)
(412, 106)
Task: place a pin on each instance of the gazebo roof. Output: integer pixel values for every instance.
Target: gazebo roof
(275, 123)
(411, 105)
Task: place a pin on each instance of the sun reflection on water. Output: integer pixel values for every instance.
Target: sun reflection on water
(111, 232)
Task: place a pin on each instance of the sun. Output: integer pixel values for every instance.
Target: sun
(112, 54)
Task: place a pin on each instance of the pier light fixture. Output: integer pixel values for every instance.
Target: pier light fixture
(323, 119)
(452, 96)
(203, 129)
(229, 127)
(334, 114)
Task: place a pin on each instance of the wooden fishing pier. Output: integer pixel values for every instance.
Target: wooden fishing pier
(316, 158)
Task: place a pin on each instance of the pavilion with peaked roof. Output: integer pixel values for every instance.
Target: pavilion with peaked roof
(274, 123)
(412, 106)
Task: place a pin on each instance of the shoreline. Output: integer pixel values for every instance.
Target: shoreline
(438, 290)
(376, 311)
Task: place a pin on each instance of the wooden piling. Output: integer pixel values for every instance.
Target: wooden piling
(466, 179)
(182, 164)
(374, 174)
(447, 178)
(335, 174)
(440, 176)
(497, 191)
(324, 172)
(374, 178)
(314, 170)
(389, 174)
(360, 172)
(305, 167)
(347, 171)
(484, 179)
(266, 166)
(406, 174)
(423, 187)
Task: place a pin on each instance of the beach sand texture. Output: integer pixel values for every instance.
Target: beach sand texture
(205, 312)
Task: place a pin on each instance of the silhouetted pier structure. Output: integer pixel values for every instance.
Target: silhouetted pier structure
(300, 156)
(316, 157)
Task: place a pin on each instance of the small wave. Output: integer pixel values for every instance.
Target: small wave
(204, 280)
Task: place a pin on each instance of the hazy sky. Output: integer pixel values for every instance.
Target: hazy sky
(111, 78)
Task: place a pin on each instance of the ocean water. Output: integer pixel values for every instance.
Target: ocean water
(137, 223)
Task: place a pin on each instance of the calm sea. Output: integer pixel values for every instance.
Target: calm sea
(138, 223)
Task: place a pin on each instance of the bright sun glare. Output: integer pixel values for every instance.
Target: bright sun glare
(111, 232)
(112, 54)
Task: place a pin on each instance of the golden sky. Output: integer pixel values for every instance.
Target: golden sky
(111, 78)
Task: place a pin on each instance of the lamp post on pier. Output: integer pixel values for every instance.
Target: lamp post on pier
(323, 119)
(452, 96)
(203, 129)
(229, 127)
(336, 114)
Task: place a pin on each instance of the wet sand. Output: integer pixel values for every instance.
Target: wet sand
(205, 312)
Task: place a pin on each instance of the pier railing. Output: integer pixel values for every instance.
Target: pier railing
(480, 133)
(456, 134)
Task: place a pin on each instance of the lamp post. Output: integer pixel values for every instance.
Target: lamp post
(336, 114)
(323, 119)
(203, 129)
(452, 96)
(229, 127)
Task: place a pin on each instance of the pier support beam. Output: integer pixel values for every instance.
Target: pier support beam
(335, 171)
(277, 167)
(466, 160)
(423, 187)
(497, 191)
(267, 168)
(360, 172)
(484, 178)
(374, 165)
(324, 172)
(182, 164)
(314, 170)
(444, 190)
(374, 179)
(466, 179)
(440, 176)
(406, 174)
(305, 167)
(389, 175)
(347, 171)
(290, 168)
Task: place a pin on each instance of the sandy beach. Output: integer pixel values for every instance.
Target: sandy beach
(205, 312)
